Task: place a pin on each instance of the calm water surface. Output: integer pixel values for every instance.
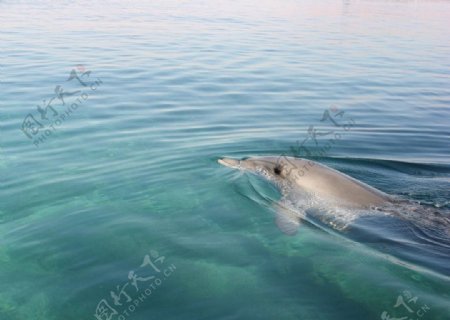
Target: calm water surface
(101, 191)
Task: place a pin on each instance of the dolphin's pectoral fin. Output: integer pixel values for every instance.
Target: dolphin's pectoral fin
(287, 220)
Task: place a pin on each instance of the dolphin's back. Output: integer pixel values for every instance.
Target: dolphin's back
(335, 186)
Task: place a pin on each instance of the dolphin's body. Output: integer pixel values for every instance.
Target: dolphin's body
(306, 177)
(323, 196)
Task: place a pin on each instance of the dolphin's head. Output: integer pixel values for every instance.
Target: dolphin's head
(282, 171)
(274, 169)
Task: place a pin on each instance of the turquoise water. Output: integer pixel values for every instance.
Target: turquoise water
(127, 176)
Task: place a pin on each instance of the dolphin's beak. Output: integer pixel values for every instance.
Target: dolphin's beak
(228, 162)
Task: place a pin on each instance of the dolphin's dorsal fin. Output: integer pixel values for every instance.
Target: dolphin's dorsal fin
(287, 221)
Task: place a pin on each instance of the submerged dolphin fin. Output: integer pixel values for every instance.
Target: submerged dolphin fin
(287, 220)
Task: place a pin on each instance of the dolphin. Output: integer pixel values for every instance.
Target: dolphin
(321, 185)
(320, 195)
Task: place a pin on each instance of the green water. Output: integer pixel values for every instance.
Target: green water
(131, 170)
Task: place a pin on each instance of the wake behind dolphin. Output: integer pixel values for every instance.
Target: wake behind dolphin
(314, 193)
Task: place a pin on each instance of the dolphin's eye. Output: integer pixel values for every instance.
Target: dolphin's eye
(277, 170)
